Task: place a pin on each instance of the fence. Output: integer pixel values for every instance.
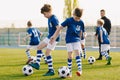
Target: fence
(13, 37)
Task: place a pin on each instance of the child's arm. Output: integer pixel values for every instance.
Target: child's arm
(101, 38)
(28, 35)
(57, 32)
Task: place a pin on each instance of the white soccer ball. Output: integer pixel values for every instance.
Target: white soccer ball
(91, 60)
(27, 70)
(63, 72)
(33, 60)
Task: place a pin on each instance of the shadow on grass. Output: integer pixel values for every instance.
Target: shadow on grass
(11, 65)
(92, 66)
(12, 76)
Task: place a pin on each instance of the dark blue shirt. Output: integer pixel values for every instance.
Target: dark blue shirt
(52, 24)
(104, 35)
(35, 36)
(73, 29)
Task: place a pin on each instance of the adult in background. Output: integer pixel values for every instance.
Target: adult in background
(107, 26)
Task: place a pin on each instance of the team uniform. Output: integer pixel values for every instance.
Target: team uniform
(34, 41)
(73, 39)
(52, 27)
(52, 24)
(105, 44)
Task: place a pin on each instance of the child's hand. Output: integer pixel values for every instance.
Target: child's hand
(101, 40)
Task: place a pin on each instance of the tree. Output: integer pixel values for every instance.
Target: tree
(69, 6)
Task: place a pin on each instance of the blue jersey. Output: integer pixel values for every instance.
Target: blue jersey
(73, 29)
(35, 36)
(52, 24)
(104, 35)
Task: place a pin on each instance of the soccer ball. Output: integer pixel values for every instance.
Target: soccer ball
(33, 60)
(91, 60)
(63, 72)
(27, 70)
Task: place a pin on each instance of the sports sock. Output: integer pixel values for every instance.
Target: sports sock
(79, 63)
(84, 50)
(28, 54)
(39, 55)
(70, 64)
(50, 63)
(104, 53)
(43, 55)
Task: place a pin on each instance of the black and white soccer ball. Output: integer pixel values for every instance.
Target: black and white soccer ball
(27, 70)
(63, 72)
(33, 60)
(91, 60)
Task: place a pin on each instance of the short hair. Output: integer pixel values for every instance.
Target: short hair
(46, 8)
(100, 21)
(102, 10)
(78, 12)
(29, 23)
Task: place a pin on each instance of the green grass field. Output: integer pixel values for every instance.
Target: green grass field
(12, 61)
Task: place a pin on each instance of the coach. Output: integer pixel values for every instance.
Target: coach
(107, 26)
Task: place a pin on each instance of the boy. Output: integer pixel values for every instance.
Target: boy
(73, 33)
(34, 35)
(53, 23)
(104, 40)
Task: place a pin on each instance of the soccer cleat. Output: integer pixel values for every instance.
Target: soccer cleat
(29, 60)
(109, 61)
(35, 65)
(84, 56)
(79, 73)
(49, 73)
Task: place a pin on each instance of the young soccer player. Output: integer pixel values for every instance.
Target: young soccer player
(104, 40)
(74, 31)
(34, 35)
(53, 24)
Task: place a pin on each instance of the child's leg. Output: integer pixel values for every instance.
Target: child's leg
(28, 53)
(70, 60)
(38, 57)
(104, 53)
(84, 51)
(49, 59)
(45, 59)
(79, 62)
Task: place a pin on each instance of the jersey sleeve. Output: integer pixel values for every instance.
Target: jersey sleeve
(65, 23)
(55, 21)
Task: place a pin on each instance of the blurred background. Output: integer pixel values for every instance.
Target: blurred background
(14, 15)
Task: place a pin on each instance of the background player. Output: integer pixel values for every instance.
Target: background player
(107, 26)
(53, 24)
(34, 35)
(73, 33)
(104, 40)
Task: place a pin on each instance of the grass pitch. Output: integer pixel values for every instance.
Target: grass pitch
(12, 61)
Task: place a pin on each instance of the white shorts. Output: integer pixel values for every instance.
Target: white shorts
(50, 46)
(32, 47)
(82, 41)
(73, 46)
(105, 47)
